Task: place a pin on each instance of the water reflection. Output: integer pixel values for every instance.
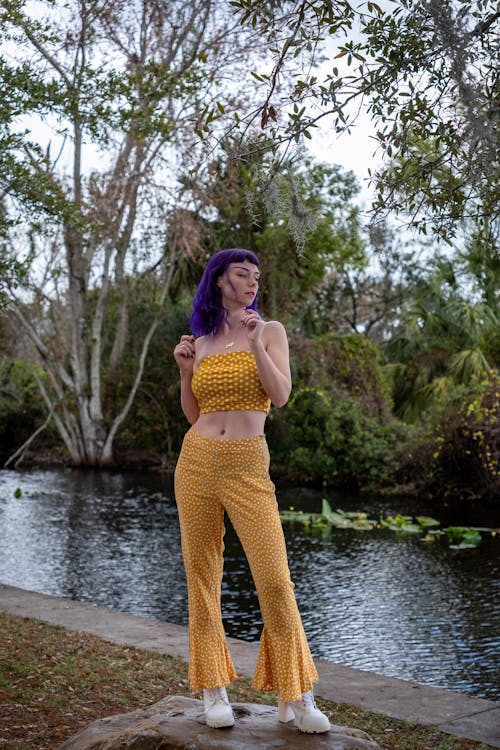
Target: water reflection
(372, 601)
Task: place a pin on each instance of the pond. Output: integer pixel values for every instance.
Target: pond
(371, 600)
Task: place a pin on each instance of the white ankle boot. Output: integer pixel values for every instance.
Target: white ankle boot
(218, 712)
(308, 718)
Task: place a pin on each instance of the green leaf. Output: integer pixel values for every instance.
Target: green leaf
(325, 506)
(426, 521)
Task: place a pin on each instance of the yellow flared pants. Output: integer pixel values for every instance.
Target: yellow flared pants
(213, 476)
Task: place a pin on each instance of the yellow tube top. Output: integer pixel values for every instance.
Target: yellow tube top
(229, 381)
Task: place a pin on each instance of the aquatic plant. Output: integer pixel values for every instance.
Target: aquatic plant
(459, 537)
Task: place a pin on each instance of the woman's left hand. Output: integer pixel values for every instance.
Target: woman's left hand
(254, 326)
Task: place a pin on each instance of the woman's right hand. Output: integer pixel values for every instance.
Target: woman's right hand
(184, 354)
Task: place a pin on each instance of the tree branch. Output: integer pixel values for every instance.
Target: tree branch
(70, 441)
(50, 59)
(40, 346)
(483, 26)
(24, 447)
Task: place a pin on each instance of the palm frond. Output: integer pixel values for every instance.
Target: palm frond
(470, 365)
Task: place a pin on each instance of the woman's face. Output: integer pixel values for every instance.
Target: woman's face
(239, 283)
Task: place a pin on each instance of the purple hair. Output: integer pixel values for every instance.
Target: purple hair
(208, 311)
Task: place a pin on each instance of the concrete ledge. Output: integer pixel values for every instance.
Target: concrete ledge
(455, 713)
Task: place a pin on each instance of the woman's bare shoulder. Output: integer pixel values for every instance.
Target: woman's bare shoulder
(274, 326)
(200, 345)
(274, 331)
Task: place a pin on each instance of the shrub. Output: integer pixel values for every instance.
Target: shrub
(335, 441)
(467, 441)
(22, 409)
(348, 366)
(155, 421)
(455, 450)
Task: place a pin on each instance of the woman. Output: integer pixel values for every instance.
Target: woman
(229, 376)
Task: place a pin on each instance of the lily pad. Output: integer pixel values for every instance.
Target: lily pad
(426, 521)
(460, 537)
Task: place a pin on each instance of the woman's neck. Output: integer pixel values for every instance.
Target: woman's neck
(233, 321)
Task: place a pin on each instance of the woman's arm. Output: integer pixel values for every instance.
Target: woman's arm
(269, 344)
(184, 354)
(189, 403)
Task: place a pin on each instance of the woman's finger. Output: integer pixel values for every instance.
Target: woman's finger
(184, 349)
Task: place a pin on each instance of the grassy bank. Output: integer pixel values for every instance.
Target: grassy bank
(54, 682)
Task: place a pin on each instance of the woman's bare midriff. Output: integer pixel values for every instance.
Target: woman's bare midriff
(231, 425)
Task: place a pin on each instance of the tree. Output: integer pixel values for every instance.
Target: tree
(119, 85)
(365, 298)
(426, 71)
(444, 340)
(479, 262)
(236, 211)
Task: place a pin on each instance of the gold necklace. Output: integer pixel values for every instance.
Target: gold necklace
(233, 341)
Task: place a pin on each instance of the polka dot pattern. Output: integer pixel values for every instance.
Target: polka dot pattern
(227, 381)
(213, 476)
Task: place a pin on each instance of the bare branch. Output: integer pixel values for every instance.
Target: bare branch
(24, 447)
(40, 346)
(50, 58)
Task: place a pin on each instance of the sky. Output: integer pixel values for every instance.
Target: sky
(354, 151)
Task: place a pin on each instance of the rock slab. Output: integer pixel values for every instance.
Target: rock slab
(178, 723)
